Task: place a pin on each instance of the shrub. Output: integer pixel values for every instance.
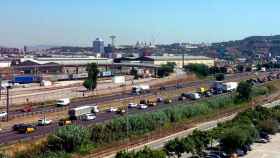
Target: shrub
(68, 138)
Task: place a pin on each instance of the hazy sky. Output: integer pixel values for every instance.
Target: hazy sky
(78, 22)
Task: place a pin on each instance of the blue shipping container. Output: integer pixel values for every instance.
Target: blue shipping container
(23, 79)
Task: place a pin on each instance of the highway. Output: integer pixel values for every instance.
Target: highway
(12, 136)
(128, 95)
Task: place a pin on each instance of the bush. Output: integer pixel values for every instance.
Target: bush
(145, 153)
(68, 138)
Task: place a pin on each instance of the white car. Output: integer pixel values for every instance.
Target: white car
(3, 114)
(112, 109)
(132, 105)
(43, 122)
(143, 106)
(89, 117)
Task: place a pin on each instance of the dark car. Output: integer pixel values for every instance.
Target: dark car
(240, 152)
(162, 88)
(24, 128)
(182, 98)
(179, 86)
(208, 94)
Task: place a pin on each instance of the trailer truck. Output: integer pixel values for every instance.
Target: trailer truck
(140, 89)
(79, 112)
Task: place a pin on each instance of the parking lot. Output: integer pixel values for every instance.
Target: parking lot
(269, 150)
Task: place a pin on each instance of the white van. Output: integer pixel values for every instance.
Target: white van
(63, 102)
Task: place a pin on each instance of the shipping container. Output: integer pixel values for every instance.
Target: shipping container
(23, 79)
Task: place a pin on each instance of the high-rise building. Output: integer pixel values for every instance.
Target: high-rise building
(98, 46)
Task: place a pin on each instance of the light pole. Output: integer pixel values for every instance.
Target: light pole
(8, 102)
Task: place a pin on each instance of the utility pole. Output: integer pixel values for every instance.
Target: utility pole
(0, 86)
(8, 102)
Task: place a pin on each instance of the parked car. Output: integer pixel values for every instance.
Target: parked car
(162, 88)
(240, 152)
(44, 122)
(151, 103)
(64, 122)
(143, 106)
(132, 105)
(88, 117)
(179, 85)
(112, 109)
(208, 94)
(262, 140)
(3, 114)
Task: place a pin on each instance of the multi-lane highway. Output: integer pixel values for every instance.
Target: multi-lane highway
(11, 136)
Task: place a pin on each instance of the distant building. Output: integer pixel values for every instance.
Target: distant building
(98, 46)
(159, 60)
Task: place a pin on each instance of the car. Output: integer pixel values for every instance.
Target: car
(3, 114)
(151, 103)
(44, 122)
(121, 111)
(26, 109)
(24, 128)
(179, 85)
(208, 94)
(167, 101)
(182, 98)
(240, 152)
(219, 153)
(132, 105)
(144, 101)
(143, 106)
(63, 122)
(159, 99)
(112, 109)
(212, 155)
(162, 88)
(88, 117)
(261, 140)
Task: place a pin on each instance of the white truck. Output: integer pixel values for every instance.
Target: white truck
(229, 86)
(63, 102)
(79, 112)
(140, 89)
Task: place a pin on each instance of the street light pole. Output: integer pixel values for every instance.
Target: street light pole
(8, 102)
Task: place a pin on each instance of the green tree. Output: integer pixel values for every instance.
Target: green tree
(233, 138)
(220, 77)
(166, 69)
(244, 90)
(201, 70)
(91, 82)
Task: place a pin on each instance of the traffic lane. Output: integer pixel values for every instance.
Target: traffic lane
(127, 95)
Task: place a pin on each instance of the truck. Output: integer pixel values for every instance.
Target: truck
(140, 89)
(119, 79)
(45, 83)
(79, 112)
(229, 86)
(63, 102)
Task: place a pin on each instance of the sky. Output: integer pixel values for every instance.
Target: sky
(79, 22)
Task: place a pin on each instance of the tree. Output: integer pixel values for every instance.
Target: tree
(91, 82)
(240, 68)
(166, 69)
(201, 70)
(220, 76)
(244, 90)
(200, 140)
(233, 138)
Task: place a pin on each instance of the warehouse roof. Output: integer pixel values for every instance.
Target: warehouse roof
(186, 57)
